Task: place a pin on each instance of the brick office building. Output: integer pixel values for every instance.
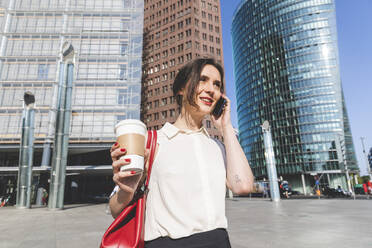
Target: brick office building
(175, 32)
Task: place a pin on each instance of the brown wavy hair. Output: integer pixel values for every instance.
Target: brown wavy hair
(189, 75)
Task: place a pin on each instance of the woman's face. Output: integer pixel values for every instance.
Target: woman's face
(209, 90)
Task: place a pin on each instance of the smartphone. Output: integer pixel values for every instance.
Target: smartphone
(218, 109)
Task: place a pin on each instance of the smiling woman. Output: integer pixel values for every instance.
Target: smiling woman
(186, 202)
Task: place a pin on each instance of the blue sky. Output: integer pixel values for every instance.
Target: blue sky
(354, 22)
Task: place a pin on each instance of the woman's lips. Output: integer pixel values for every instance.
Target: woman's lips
(207, 101)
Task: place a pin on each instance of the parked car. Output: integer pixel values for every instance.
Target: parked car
(102, 198)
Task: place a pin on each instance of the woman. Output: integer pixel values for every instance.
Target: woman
(186, 200)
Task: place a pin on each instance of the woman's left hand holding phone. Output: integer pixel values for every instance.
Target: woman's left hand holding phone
(224, 120)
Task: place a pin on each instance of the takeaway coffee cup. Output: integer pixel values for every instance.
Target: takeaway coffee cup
(130, 134)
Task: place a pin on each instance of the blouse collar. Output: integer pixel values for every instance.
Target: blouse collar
(171, 131)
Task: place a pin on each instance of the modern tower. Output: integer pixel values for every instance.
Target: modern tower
(107, 37)
(175, 32)
(287, 72)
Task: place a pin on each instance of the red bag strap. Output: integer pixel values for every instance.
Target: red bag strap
(151, 143)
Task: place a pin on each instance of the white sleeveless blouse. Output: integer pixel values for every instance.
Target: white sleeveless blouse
(187, 185)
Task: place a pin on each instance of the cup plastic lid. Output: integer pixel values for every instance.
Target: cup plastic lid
(131, 121)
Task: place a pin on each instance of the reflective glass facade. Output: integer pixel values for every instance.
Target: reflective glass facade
(107, 36)
(287, 72)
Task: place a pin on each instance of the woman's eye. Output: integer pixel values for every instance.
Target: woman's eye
(218, 85)
(203, 79)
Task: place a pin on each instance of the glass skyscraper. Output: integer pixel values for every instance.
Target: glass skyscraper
(107, 37)
(287, 72)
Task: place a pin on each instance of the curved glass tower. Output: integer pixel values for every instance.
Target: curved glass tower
(286, 71)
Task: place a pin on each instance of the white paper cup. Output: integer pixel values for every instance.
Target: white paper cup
(131, 134)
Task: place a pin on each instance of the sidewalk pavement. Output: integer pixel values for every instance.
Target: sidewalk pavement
(253, 223)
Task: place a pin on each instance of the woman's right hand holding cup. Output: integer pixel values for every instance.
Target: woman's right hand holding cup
(126, 180)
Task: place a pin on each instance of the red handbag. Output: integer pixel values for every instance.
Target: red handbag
(127, 230)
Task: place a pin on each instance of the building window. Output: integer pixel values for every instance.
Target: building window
(163, 114)
(165, 42)
(180, 25)
(188, 44)
(124, 25)
(188, 57)
(196, 33)
(42, 72)
(197, 45)
(180, 36)
(123, 96)
(165, 88)
(218, 51)
(172, 62)
(122, 72)
(165, 77)
(123, 48)
(149, 105)
(172, 74)
(127, 4)
(196, 22)
(180, 48)
(180, 60)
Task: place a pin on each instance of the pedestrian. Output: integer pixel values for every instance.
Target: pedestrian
(369, 187)
(74, 191)
(186, 199)
(44, 198)
(365, 188)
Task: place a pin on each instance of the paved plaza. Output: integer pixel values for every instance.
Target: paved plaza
(253, 223)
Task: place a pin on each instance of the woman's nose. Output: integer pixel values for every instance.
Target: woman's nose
(209, 87)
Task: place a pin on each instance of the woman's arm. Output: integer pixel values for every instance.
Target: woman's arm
(126, 181)
(119, 201)
(239, 174)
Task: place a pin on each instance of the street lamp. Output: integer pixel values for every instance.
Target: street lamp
(26, 152)
(341, 154)
(62, 130)
(270, 162)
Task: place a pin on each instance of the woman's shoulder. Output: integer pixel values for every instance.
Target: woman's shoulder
(161, 134)
(166, 131)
